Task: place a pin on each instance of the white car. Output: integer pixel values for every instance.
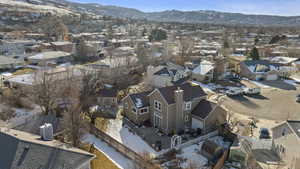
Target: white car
(251, 91)
(234, 91)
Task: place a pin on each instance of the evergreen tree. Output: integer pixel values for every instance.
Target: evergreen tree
(254, 55)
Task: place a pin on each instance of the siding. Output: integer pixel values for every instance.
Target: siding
(289, 141)
(157, 96)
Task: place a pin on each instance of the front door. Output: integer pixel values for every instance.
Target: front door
(157, 120)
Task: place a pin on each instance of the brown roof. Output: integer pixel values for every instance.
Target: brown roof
(203, 109)
(190, 92)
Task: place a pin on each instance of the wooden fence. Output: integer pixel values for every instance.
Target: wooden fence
(137, 158)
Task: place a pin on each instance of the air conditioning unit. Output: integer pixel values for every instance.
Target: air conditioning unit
(46, 132)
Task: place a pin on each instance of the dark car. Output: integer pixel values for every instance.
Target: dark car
(264, 133)
(298, 98)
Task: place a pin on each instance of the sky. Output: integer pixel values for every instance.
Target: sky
(269, 7)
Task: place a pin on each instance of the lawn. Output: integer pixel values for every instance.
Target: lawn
(101, 161)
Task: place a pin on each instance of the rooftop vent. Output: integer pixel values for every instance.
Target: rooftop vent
(46, 132)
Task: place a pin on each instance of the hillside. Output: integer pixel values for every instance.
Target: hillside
(62, 7)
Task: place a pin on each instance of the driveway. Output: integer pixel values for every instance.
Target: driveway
(275, 103)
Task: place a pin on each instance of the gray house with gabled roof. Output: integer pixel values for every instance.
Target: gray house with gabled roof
(172, 109)
(21, 150)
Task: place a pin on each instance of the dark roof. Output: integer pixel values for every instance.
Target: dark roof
(260, 62)
(295, 125)
(190, 92)
(20, 153)
(140, 100)
(163, 71)
(108, 93)
(203, 109)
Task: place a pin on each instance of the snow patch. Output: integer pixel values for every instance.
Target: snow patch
(117, 158)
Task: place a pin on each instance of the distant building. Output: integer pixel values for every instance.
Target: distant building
(51, 57)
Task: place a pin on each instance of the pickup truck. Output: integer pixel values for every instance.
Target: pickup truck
(234, 91)
(251, 91)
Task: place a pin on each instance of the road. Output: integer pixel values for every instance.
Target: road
(275, 103)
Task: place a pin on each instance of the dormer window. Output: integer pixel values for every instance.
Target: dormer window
(134, 110)
(188, 105)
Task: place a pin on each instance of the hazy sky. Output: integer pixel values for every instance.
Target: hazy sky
(272, 7)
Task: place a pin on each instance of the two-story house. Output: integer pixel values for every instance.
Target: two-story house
(166, 75)
(173, 109)
(286, 138)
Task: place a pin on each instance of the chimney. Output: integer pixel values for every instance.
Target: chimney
(46, 132)
(179, 109)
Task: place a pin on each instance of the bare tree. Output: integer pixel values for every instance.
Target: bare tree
(186, 46)
(54, 27)
(142, 55)
(73, 116)
(45, 90)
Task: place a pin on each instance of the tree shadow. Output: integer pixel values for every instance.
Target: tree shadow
(264, 155)
(279, 84)
(245, 101)
(259, 97)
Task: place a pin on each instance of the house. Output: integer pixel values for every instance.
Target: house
(107, 97)
(51, 57)
(260, 70)
(9, 63)
(24, 150)
(286, 137)
(203, 72)
(173, 108)
(166, 75)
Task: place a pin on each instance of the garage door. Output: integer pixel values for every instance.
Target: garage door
(272, 77)
(197, 124)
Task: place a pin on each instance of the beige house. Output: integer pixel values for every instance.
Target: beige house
(107, 97)
(172, 109)
(260, 70)
(286, 138)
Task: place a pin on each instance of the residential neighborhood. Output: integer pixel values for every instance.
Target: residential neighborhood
(98, 86)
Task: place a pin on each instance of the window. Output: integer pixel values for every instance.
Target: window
(157, 105)
(144, 110)
(134, 110)
(187, 118)
(126, 105)
(188, 105)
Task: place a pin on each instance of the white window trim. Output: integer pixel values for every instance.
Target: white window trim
(188, 106)
(187, 118)
(159, 103)
(140, 110)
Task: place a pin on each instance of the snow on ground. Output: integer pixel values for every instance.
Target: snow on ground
(117, 158)
(193, 156)
(291, 82)
(207, 88)
(27, 6)
(127, 138)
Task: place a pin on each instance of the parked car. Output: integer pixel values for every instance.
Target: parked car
(251, 91)
(234, 91)
(264, 133)
(298, 98)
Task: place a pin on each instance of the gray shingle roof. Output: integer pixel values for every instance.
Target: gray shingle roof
(203, 108)
(21, 150)
(190, 92)
(295, 125)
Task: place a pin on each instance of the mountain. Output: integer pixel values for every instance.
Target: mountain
(201, 16)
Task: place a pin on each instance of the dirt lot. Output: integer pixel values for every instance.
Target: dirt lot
(276, 102)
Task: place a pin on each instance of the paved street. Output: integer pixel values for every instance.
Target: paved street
(275, 103)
